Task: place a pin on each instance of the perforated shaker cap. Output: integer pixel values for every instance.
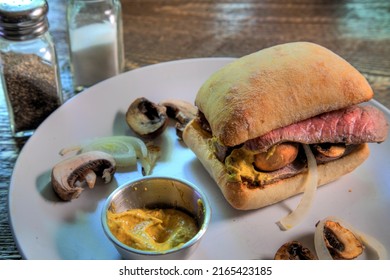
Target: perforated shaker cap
(23, 19)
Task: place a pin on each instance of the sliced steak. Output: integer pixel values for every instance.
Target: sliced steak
(353, 125)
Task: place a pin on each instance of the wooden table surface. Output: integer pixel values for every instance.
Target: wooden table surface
(165, 30)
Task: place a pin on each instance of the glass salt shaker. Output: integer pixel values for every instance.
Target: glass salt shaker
(96, 41)
(28, 65)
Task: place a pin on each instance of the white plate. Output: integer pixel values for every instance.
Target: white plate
(45, 228)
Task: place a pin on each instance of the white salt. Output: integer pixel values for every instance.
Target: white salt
(94, 54)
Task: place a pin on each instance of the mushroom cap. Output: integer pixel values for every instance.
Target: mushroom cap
(146, 118)
(68, 175)
(341, 242)
(182, 111)
(294, 250)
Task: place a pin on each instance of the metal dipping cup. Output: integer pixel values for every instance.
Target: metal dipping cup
(158, 192)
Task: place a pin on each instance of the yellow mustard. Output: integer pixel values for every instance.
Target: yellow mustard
(152, 229)
(239, 164)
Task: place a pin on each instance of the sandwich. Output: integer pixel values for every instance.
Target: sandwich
(257, 114)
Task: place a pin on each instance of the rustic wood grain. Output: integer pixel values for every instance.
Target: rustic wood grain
(157, 31)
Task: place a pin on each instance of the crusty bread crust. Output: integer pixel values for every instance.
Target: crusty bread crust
(300, 79)
(244, 198)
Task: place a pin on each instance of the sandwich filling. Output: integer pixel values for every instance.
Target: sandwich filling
(279, 154)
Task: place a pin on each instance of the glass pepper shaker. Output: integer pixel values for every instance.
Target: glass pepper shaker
(28, 65)
(96, 40)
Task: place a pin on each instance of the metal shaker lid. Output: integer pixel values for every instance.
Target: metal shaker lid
(23, 19)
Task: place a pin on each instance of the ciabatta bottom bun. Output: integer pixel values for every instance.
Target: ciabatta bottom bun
(242, 197)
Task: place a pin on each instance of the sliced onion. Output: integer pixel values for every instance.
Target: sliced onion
(310, 186)
(139, 145)
(123, 153)
(368, 241)
(319, 242)
(124, 149)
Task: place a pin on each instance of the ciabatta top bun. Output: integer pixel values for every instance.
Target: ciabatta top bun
(256, 113)
(276, 87)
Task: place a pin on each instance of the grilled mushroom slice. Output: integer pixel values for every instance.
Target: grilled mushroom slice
(68, 175)
(328, 151)
(146, 118)
(276, 157)
(294, 251)
(182, 111)
(341, 242)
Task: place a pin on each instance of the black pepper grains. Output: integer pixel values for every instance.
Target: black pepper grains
(32, 90)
